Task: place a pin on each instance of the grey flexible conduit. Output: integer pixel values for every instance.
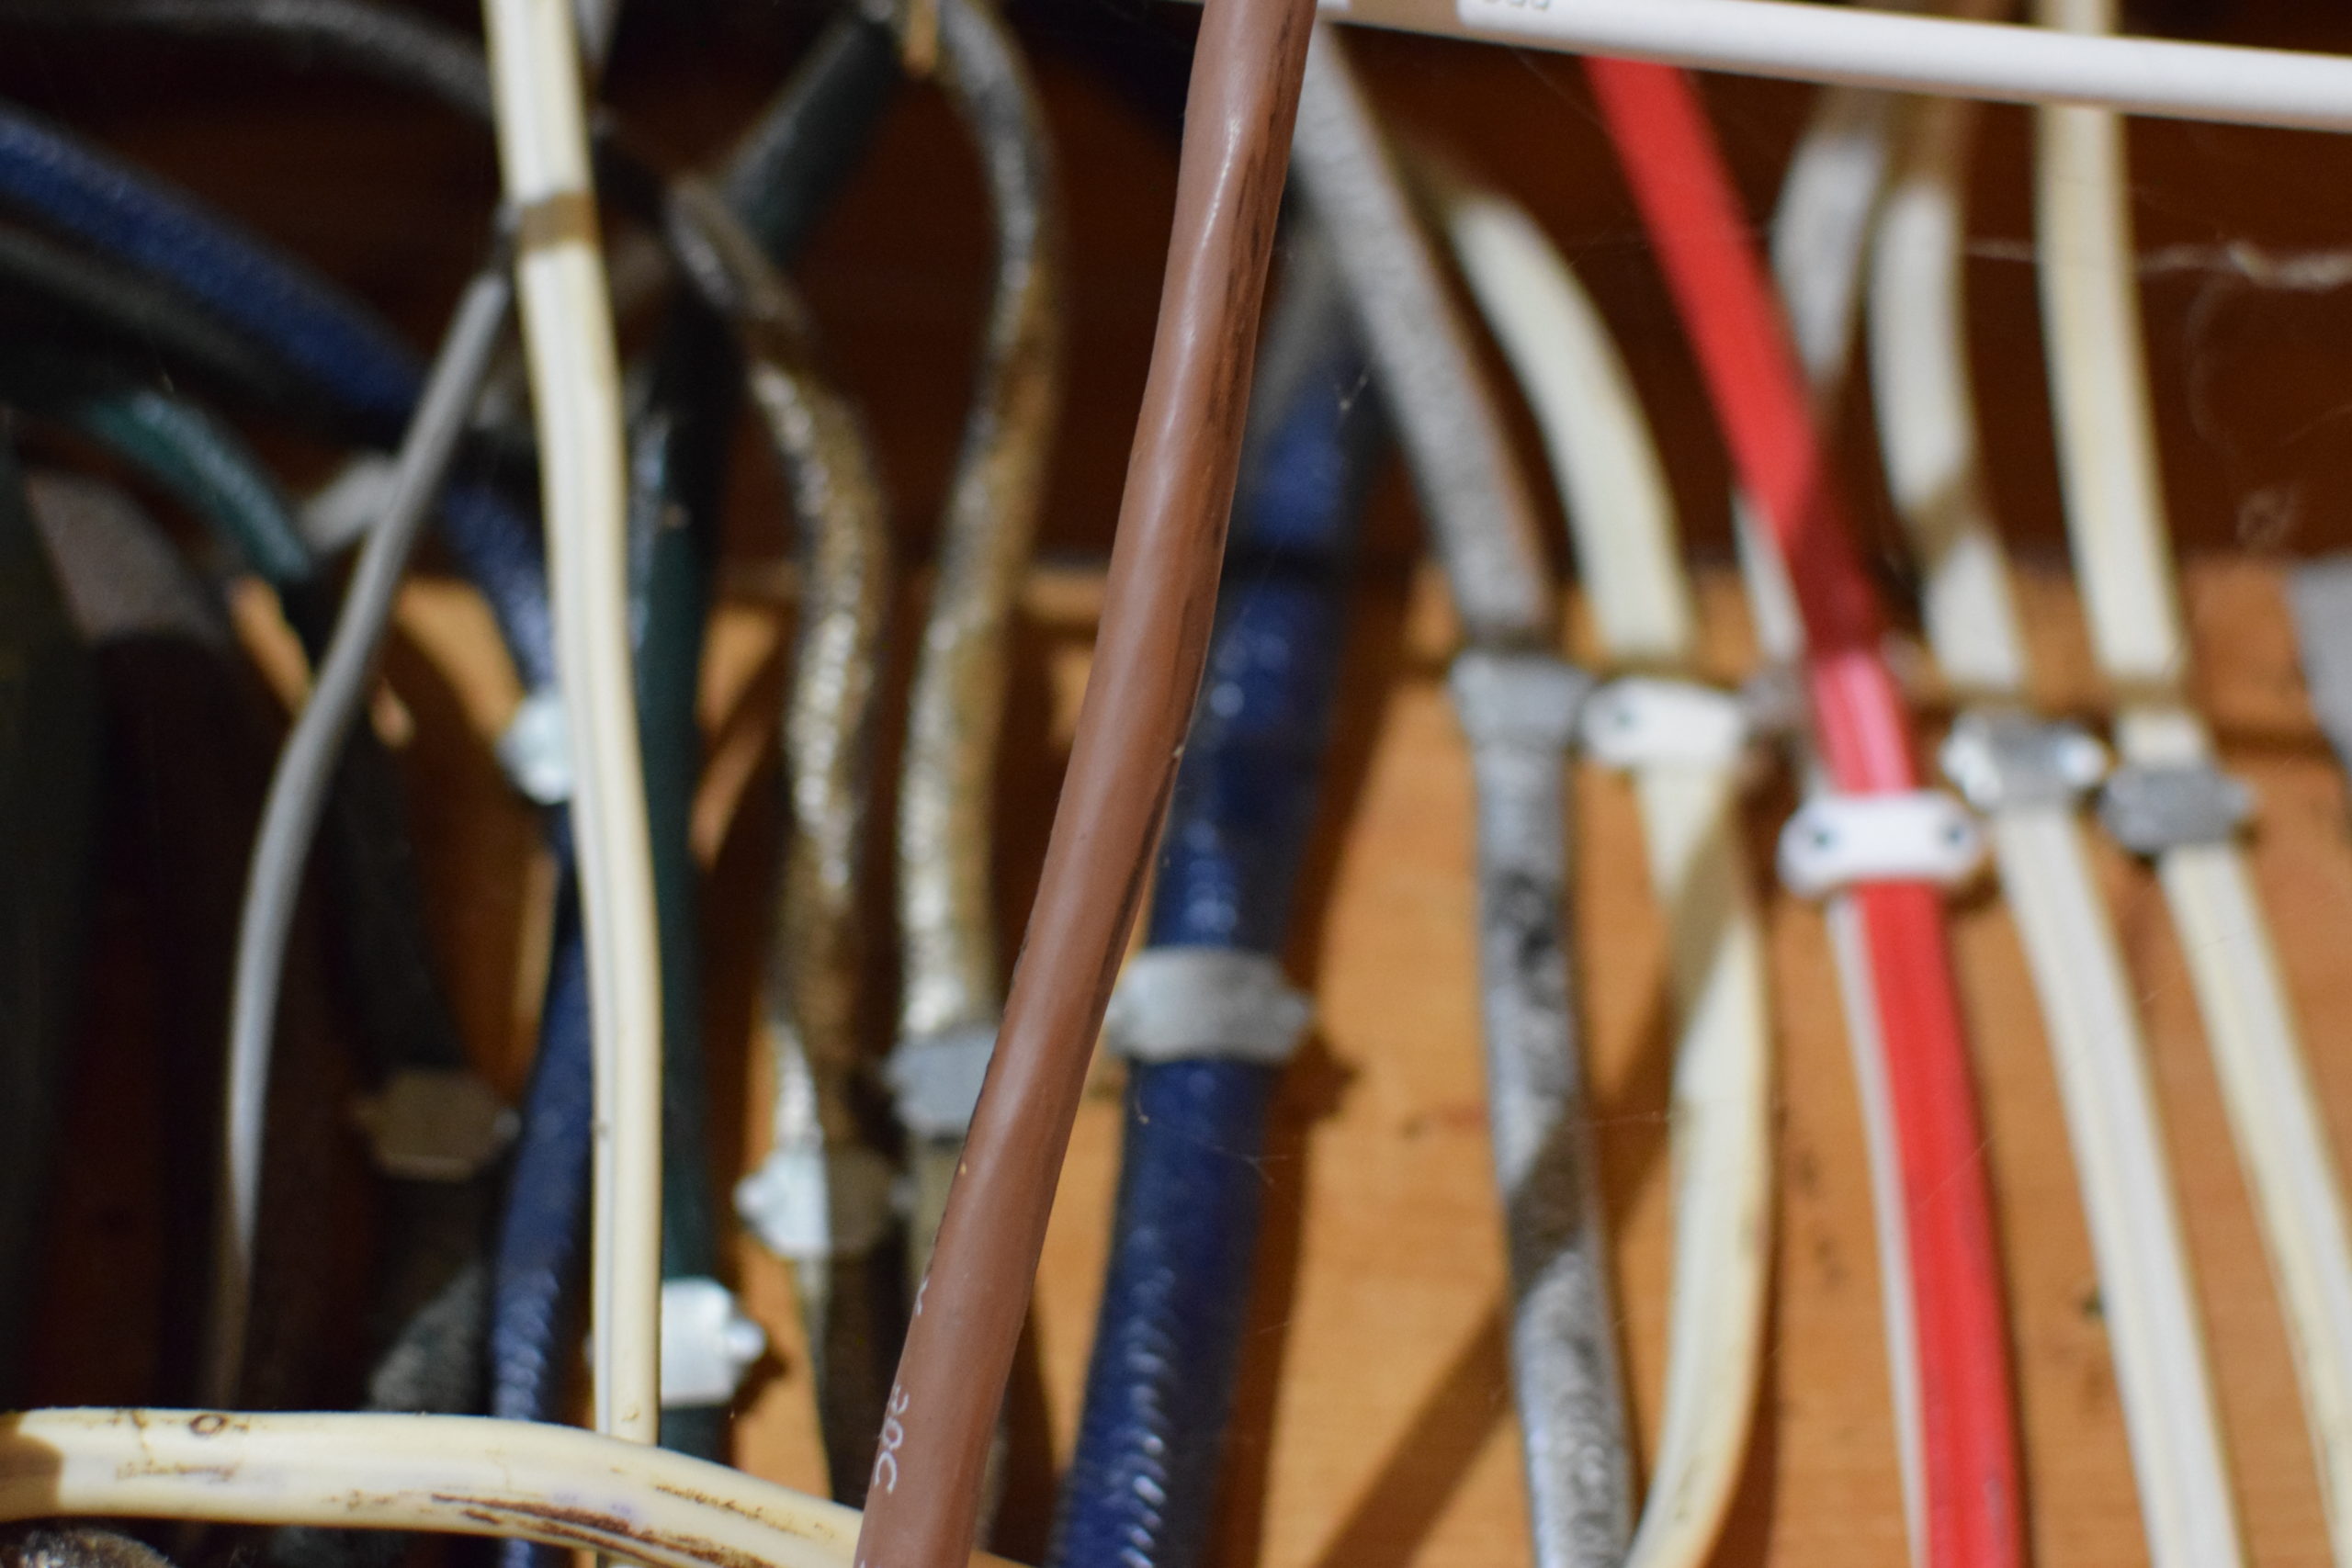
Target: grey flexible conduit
(1517, 701)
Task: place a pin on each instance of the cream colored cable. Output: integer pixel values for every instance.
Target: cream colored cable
(1623, 527)
(2115, 517)
(1865, 47)
(451, 1474)
(1820, 233)
(575, 395)
(1927, 430)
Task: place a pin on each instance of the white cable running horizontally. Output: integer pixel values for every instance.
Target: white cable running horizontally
(450, 1475)
(575, 395)
(1623, 527)
(2115, 519)
(1928, 431)
(1862, 48)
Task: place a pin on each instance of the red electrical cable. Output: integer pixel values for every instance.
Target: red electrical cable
(1967, 1439)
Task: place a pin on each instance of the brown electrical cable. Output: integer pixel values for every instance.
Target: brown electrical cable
(1161, 597)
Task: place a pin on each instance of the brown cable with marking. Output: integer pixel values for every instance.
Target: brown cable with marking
(1161, 597)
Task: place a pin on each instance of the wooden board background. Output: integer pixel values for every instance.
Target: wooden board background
(1375, 1430)
(1375, 1427)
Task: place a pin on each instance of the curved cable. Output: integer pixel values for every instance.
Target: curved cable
(452, 1475)
(88, 298)
(178, 446)
(930, 1464)
(425, 1285)
(1204, 1061)
(2115, 519)
(1969, 1495)
(297, 794)
(1517, 701)
(950, 995)
(784, 173)
(79, 190)
(575, 385)
(1622, 523)
(1820, 241)
(335, 344)
(822, 1198)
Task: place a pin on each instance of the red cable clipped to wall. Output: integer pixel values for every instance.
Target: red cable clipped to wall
(1967, 1439)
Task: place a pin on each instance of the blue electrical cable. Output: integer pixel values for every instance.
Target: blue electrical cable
(537, 1254)
(1168, 1340)
(328, 339)
(137, 219)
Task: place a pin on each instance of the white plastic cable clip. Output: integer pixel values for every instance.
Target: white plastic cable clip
(1179, 1003)
(1839, 840)
(707, 1342)
(1639, 721)
(806, 1203)
(434, 1124)
(536, 748)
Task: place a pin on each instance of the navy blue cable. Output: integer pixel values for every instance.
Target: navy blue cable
(802, 149)
(317, 330)
(545, 1219)
(139, 221)
(1167, 1343)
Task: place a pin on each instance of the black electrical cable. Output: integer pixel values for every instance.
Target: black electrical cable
(69, 299)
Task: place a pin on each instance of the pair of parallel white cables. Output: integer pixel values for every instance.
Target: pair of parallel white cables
(2123, 558)
(2029, 778)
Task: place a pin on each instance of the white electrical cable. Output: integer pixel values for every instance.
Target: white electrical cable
(2115, 518)
(1623, 527)
(1928, 429)
(1857, 47)
(450, 1475)
(1820, 235)
(575, 394)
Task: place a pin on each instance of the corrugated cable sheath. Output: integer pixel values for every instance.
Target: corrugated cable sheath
(1745, 355)
(1161, 599)
(1141, 1485)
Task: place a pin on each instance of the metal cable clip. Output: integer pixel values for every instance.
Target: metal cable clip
(2151, 808)
(2000, 759)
